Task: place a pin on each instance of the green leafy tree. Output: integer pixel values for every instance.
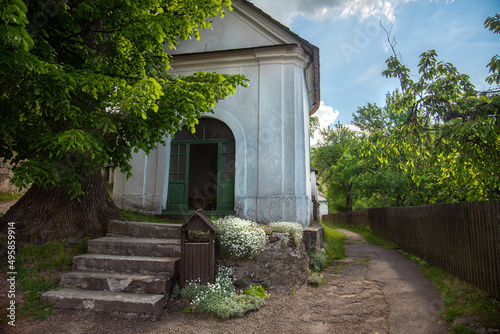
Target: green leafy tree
(373, 118)
(333, 158)
(83, 84)
(450, 126)
(390, 181)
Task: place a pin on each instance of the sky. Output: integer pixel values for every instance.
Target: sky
(354, 48)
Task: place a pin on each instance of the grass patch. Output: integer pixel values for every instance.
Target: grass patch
(462, 299)
(39, 268)
(142, 217)
(7, 197)
(334, 248)
(335, 244)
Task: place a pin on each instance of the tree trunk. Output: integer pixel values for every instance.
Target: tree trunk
(348, 203)
(48, 214)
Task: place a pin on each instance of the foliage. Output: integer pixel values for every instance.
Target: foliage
(315, 279)
(258, 291)
(451, 128)
(317, 260)
(372, 118)
(462, 329)
(461, 299)
(334, 244)
(7, 197)
(334, 156)
(176, 291)
(295, 229)
(314, 125)
(435, 140)
(83, 84)
(239, 238)
(220, 299)
(37, 267)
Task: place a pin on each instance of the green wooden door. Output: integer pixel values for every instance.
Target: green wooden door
(225, 177)
(178, 178)
(208, 131)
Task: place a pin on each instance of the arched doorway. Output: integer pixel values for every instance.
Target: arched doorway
(201, 173)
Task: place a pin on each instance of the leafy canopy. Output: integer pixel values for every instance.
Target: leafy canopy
(84, 83)
(436, 140)
(450, 126)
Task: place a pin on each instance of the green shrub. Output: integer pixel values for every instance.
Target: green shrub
(220, 299)
(221, 306)
(176, 291)
(239, 238)
(315, 279)
(258, 291)
(317, 260)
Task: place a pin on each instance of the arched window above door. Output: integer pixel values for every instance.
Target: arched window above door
(206, 129)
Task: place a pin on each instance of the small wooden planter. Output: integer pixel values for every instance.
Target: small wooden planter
(198, 250)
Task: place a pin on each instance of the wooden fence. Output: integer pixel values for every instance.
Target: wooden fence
(461, 238)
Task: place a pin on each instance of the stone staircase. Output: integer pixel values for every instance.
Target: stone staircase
(129, 272)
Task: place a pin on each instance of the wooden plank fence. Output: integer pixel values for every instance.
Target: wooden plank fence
(461, 238)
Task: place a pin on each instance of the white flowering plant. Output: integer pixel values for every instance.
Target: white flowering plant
(220, 298)
(239, 238)
(294, 229)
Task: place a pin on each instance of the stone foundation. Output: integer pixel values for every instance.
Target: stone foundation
(314, 237)
(282, 264)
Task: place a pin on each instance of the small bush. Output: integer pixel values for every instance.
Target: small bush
(315, 279)
(258, 291)
(317, 261)
(220, 299)
(239, 238)
(176, 291)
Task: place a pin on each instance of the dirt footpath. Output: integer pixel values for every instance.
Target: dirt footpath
(372, 291)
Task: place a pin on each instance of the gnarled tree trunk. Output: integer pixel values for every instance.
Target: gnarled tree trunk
(48, 214)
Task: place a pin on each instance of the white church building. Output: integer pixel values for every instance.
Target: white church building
(251, 157)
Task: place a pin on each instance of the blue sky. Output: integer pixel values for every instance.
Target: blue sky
(353, 47)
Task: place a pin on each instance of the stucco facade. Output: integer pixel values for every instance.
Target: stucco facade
(269, 120)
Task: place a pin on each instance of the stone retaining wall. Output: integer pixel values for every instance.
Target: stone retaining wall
(282, 264)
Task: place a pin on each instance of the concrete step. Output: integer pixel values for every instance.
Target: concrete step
(135, 246)
(143, 230)
(118, 282)
(126, 264)
(123, 303)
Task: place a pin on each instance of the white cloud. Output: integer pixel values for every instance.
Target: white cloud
(327, 116)
(286, 10)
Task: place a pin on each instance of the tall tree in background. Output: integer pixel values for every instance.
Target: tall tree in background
(82, 85)
(333, 159)
(437, 140)
(450, 126)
